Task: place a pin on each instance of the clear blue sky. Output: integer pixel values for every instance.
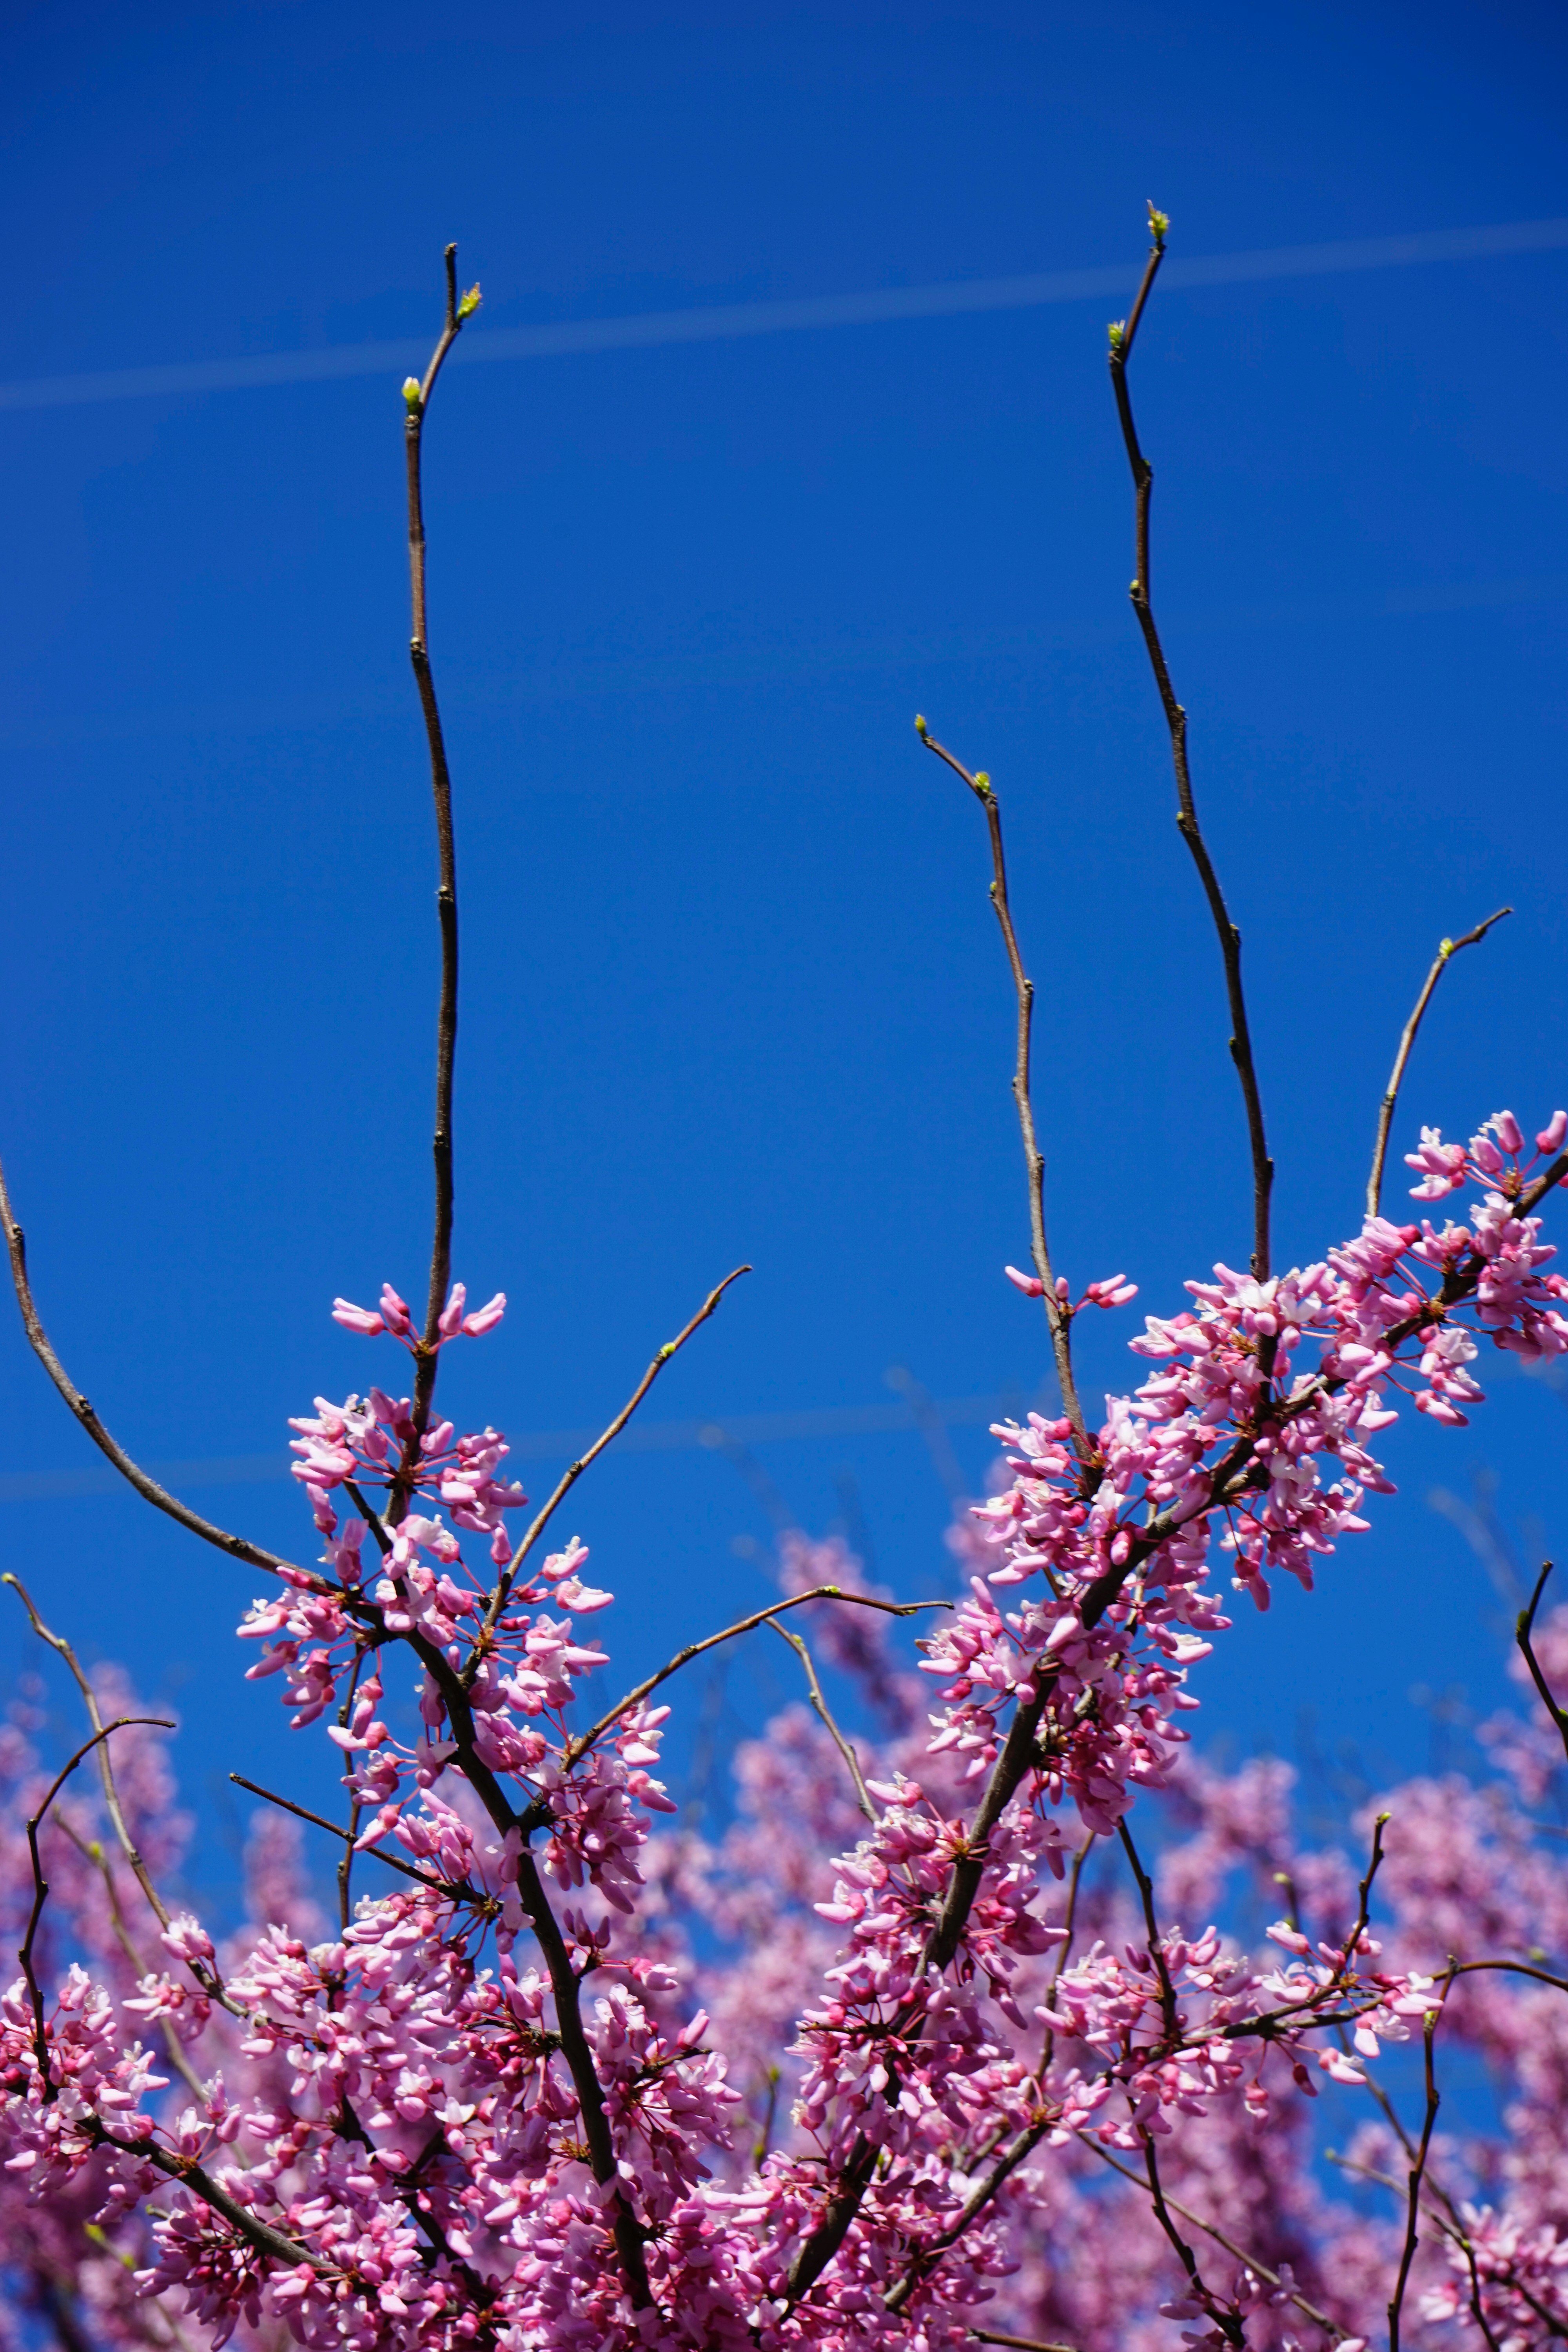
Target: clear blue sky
(732, 987)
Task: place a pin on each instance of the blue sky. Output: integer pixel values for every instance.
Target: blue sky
(732, 989)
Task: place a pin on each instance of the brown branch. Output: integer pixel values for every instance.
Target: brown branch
(819, 1706)
(1122, 338)
(1227, 2322)
(1234, 1475)
(238, 1547)
(1446, 950)
(1058, 1317)
(1018, 2343)
(1156, 1947)
(1419, 2167)
(574, 1470)
(192, 2176)
(455, 1890)
(41, 1884)
(577, 1748)
(416, 399)
(1522, 1631)
(1309, 2310)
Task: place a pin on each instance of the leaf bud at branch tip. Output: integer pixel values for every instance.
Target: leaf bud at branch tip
(411, 394)
(1118, 333)
(469, 303)
(1159, 223)
(920, 729)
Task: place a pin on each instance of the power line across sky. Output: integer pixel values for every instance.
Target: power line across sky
(726, 321)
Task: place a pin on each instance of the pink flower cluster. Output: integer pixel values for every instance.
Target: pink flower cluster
(838, 2084)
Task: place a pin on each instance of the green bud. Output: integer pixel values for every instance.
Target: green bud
(1118, 332)
(469, 303)
(411, 394)
(1159, 223)
(919, 727)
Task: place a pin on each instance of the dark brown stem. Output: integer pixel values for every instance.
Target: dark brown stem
(1018, 2343)
(1156, 1947)
(417, 401)
(1057, 1316)
(455, 1890)
(1227, 2322)
(346, 1864)
(1446, 950)
(574, 1470)
(1412, 2216)
(1176, 723)
(191, 2176)
(1522, 1632)
(1252, 2262)
(1237, 1474)
(41, 1884)
(566, 1985)
(238, 1547)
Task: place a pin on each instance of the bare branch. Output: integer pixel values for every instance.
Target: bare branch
(1188, 824)
(238, 1547)
(1446, 949)
(1018, 2343)
(41, 1884)
(1522, 1631)
(416, 398)
(574, 1470)
(1419, 2167)
(820, 1706)
(1252, 2262)
(455, 1890)
(578, 1747)
(1058, 1317)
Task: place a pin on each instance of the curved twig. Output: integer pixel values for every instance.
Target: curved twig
(416, 398)
(1121, 339)
(1058, 1317)
(577, 1748)
(41, 1884)
(819, 1706)
(1522, 1631)
(238, 1547)
(1446, 950)
(574, 1470)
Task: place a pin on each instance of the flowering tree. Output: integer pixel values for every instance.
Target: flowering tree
(922, 2052)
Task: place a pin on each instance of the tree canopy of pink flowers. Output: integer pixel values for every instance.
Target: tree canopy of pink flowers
(934, 2045)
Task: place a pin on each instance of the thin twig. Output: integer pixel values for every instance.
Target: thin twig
(41, 1884)
(578, 1747)
(1446, 949)
(1227, 2322)
(574, 1470)
(192, 2176)
(1018, 2343)
(1252, 2260)
(1413, 2218)
(1058, 1315)
(1121, 339)
(416, 398)
(820, 1706)
(455, 1890)
(1156, 1946)
(1522, 1631)
(238, 1547)
(57, 1643)
(91, 1851)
